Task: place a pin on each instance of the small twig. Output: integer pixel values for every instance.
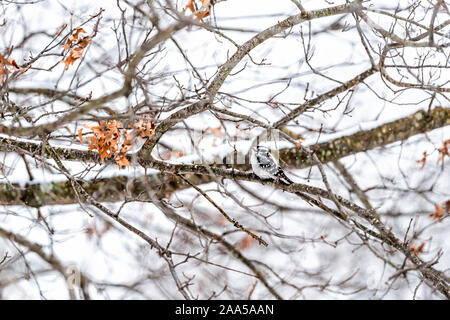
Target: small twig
(231, 220)
(299, 5)
(5, 257)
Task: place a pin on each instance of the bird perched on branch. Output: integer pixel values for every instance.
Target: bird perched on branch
(265, 166)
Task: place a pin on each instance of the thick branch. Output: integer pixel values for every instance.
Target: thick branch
(112, 189)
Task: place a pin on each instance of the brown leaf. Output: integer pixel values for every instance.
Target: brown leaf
(106, 136)
(190, 5)
(447, 206)
(91, 230)
(145, 129)
(167, 155)
(73, 38)
(417, 249)
(80, 135)
(68, 61)
(423, 160)
(444, 151)
(121, 157)
(77, 51)
(246, 243)
(4, 63)
(299, 143)
(217, 132)
(122, 162)
(13, 63)
(438, 214)
(202, 14)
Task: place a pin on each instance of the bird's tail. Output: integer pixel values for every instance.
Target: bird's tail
(281, 175)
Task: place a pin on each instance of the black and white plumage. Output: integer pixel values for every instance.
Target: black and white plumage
(265, 166)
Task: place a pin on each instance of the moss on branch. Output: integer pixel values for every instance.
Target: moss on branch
(117, 188)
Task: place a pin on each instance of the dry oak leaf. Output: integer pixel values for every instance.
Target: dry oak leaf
(77, 51)
(417, 249)
(444, 151)
(192, 6)
(121, 158)
(122, 162)
(246, 243)
(299, 143)
(73, 38)
(438, 214)
(80, 135)
(92, 230)
(447, 206)
(4, 63)
(145, 129)
(217, 132)
(168, 155)
(423, 161)
(105, 139)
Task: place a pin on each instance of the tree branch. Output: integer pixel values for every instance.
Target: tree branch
(112, 189)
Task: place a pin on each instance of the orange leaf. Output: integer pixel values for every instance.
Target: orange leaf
(216, 131)
(447, 206)
(190, 5)
(417, 249)
(68, 61)
(66, 46)
(91, 230)
(246, 243)
(145, 129)
(438, 214)
(444, 151)
(78, 31)
(73, 37)
(123, 162)
(85, 41)
(77, 51)
(170, 155)
(4, 63)
(106, 137)
(202, 14)
(12, 62)
(80, 135)
(205, 2)
(423, 160)
(299, 143)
